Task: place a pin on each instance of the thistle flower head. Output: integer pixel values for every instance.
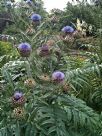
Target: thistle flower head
(67, 29)
(18, 113)
(24, 49)
(58, 76)
(18, 99)
(17, 95)
(30, 82)
(35, 17)
(44, 77)
(44, 50)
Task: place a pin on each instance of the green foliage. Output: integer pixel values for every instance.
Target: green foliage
(7, 52)
(5, 48)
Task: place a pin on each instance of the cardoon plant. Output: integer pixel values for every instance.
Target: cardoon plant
(54, 99)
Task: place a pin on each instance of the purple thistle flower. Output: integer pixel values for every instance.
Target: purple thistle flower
(35, 17)
(67, 29)
(58, 76)
(24, 49)
(17, 95)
